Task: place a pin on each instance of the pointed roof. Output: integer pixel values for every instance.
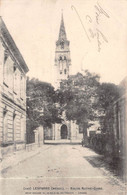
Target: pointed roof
(62, 32)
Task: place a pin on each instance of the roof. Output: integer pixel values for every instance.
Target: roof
(62, 32)
(11, 44)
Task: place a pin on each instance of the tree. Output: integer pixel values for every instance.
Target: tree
(41, 107)
(81, 97)
(77, 95)
(107, 93)
(85, 99)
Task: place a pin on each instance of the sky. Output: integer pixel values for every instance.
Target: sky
(97, 31)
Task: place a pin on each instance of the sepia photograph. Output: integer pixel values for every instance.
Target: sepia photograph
(63, 97)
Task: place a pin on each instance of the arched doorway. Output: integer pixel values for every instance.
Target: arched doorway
(64, 132)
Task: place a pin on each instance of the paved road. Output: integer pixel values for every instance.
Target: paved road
(71, 167)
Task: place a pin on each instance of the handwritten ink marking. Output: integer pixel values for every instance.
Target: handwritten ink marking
(73, 8)
(101, 38)
(100, 35)
(92, 34)
(100, 11)
(89, 18)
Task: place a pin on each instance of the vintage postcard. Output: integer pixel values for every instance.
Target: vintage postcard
(63, 97)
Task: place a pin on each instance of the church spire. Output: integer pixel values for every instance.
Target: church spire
(62, 32)
(62, 56)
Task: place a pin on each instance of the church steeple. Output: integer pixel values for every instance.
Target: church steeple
(62, 32)
(62, 55)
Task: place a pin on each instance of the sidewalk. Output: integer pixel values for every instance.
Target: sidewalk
(19, 156)
(63, 141)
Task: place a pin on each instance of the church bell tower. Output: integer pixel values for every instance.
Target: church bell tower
(62, 56)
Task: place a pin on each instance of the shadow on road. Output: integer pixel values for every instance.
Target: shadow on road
(113, 166)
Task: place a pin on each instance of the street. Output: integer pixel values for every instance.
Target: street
(61, 168)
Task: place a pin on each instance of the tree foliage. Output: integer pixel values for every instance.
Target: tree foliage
(76, 96)
(82, 97)
(107, 94)
(41, 107)
(85, 99)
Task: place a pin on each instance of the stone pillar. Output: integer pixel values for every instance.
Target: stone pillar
(53, 132)
(36, 136)
(40, 135)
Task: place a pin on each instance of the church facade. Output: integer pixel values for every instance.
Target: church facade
(67, 129)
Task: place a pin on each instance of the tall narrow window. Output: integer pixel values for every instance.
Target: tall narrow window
(16, 80)
(5, 67)
(22, 87)
(61, 64)
(22, 129)
(10, 72)
(14, 126)
(5, 125)
(62, 44)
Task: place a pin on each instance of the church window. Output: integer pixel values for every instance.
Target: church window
(64, 57)
(62, 45)
(60, 58)
(61, 64)
(65, 71)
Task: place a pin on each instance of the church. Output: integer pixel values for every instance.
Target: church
(68, 130)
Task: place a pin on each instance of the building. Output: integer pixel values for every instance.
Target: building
(67, 129)
(13, 71)
(116, 119)
(120, 117)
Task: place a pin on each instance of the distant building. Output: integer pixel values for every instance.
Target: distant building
(67, 129)
(13, 71)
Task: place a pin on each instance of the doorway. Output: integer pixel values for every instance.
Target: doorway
(64, 132)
